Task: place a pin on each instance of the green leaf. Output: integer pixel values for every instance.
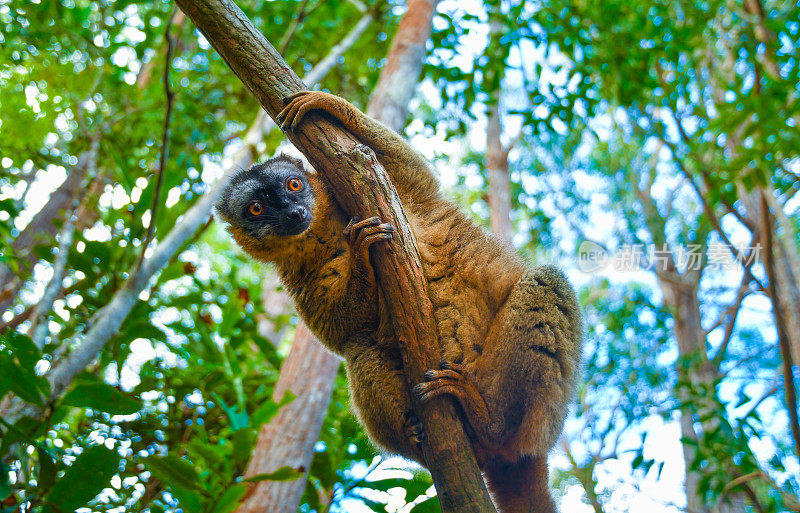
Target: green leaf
(323, 467)
(282, 474)
(5, 485)
(174, 471)
(24, 349)
(22, 382)
(243, 440)
(239, 420)
(47, 470)
(311, 496)
(269, 350)
(190, 500)
(230, 499)
(84, 479)
(102, 397)
(270, 408)
(208, 451)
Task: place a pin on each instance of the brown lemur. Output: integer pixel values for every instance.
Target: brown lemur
(510, 334)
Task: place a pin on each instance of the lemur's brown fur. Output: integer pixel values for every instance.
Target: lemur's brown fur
(510, 334)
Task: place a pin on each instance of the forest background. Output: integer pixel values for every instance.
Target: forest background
(649, 148)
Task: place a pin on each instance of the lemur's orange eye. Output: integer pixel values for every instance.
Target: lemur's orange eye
(255, 208)
(294, 184)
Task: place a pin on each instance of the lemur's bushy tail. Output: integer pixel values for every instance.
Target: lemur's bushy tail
(520, 487)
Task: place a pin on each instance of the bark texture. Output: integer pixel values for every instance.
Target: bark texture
(362, 187)
(681, 298)
(266, 494)
(781, 323)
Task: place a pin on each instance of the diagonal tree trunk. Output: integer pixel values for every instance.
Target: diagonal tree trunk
(270, 451)
(361, 186)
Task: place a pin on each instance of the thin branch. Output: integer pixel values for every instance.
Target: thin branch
(742, 481)
(780, 323)
(164, 142)
(361, 6)
(514, 142)
(704, 172)
(766, 395)
(177, 19)
(354, 484)
(39, 325)
(728, 318)
(656, 225)
(297, 19)
(17, 319)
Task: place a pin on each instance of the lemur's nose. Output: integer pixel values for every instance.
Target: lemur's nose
(298, 214)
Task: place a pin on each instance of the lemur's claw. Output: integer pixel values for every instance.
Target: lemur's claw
(414, 429)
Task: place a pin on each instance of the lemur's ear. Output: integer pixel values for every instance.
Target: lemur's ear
(294, 160)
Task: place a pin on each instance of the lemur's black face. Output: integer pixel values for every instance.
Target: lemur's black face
(273, 198)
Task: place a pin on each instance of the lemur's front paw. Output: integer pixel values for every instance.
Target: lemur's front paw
(297, 105)
(413, 428)
(362, 234)
(451, 379)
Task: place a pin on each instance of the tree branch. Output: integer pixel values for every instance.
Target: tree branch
(170, 96)
(728, 318)
(780, 323)
(297, 19)
(39, 319)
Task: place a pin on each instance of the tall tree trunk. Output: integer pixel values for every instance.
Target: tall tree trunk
(390, 98)
(778, 254)
(786, 295)
(361, 186)
(395, 107)
(276, 302)
(697, 396)
(309, 373)
(681, 299)
(499, 179)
